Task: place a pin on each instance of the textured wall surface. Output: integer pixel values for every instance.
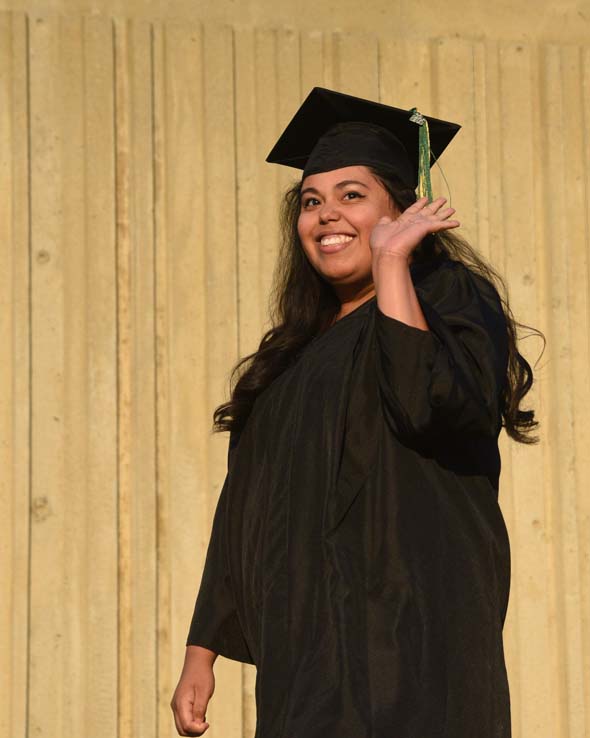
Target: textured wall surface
(138, 235)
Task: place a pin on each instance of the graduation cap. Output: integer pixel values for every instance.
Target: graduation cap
(403, 141)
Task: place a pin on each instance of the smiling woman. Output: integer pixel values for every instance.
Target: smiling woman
(338, 212)
(358, 555)
(358, 220)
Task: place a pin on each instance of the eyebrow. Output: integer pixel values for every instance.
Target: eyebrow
(339, 186)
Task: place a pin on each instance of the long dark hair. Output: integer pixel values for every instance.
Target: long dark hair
(302, 305)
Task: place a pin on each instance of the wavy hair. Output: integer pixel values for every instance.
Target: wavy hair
(303, 305)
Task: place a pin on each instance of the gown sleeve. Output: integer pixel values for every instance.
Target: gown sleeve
(215, 624)
(447, 380)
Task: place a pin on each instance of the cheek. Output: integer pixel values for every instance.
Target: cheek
(304, 233)
(365, 228)
(367, 220)
(301, 228)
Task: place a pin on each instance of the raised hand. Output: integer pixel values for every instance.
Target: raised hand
(401, 236)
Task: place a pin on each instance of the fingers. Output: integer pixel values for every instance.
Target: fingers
(189, 716)
(436, 204)
(198, 715)
(422, 203)
(433, 212)
(446, 213)
(192, 729)
(442, 225)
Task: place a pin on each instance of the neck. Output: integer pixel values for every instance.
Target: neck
(351, 298)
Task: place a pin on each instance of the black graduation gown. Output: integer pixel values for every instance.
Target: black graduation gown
(358, 555)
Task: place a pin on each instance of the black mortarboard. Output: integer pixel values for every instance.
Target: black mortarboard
(404, 141)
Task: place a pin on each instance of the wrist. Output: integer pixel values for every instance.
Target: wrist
(390, 258)
(390, 268)
(199, 655)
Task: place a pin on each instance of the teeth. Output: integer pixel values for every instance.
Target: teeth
(340, 238)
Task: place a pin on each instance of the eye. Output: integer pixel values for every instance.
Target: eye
(308, 201)
(354, 193)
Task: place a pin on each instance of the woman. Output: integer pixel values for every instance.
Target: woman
(358, 555)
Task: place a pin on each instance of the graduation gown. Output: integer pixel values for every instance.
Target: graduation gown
(358, 555)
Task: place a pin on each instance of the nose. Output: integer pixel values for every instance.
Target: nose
(328, 211)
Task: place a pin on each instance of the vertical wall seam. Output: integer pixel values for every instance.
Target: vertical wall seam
(477, 143)
(586, 183)
(300, 57)
(378, 42)
(117, 364)
(203, 195)
(585, 147)
(433, 44)
(583, 96)
(30, 367)
(85, 86)
(155, 385)
(236, 188)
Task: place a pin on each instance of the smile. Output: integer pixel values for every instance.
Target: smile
(337, 238)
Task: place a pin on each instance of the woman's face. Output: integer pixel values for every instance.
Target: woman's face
(338, 212)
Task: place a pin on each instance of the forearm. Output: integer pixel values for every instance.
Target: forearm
(396, 296)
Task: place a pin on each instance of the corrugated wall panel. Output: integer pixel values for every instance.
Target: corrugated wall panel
(195, 324)
(181, 314)
(578, 149)
(220, 247)
(565, 223)
(73, 554)
(453, 59)
(98, 334)
(135, 522)
(523, 487)
(153, 238)
(15, 452)
(404, 74)
(559, 368)
(73, 389)
(48, 607)
(258, 61)
(355, 65)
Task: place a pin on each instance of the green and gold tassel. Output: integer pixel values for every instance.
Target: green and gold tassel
(424, 184)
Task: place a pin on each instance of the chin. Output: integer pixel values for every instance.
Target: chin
(342, 272)
(347, 278)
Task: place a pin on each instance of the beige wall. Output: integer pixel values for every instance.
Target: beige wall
(533, 20)
(137, 238)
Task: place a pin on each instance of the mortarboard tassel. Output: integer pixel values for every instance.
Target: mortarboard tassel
(424, 183)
